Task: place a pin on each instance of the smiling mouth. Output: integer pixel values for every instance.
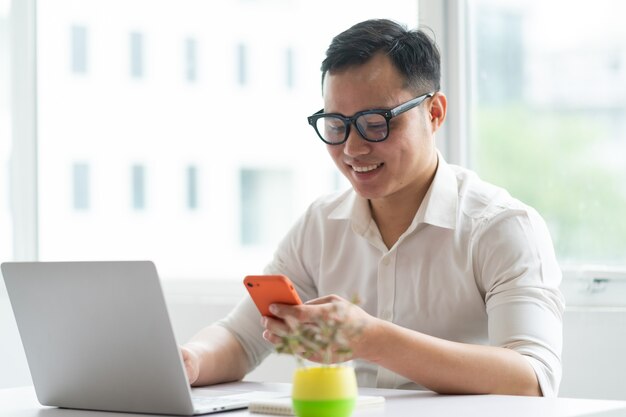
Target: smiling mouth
(366, 168)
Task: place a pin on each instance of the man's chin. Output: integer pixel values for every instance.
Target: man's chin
(368, 193)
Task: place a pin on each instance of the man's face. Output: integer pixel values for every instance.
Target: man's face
(402, 165)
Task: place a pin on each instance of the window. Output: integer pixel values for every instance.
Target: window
(266, 197)
(289, 69)
(242, 74)
(191, 60)
(138, 187)
(549, 117)
(79, 49)
(81, 186)
(136, 55)
(192, 187)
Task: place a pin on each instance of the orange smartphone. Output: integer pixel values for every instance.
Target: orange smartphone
(270, 289)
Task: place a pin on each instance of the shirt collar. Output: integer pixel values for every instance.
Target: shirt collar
(356, 209)
(440, 203)
(438, 208)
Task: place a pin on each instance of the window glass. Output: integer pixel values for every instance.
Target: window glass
(138, 187)
(192, 187)
(549, 116)
(289, 59)
(241, 125)
(242, 63)
(266, 199)
(81, 186)
(136, 55)
(191, 62)
(79, 49)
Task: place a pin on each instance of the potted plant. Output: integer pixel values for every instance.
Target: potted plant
(328, 389)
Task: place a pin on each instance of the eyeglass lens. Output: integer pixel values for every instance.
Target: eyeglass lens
(371, 126)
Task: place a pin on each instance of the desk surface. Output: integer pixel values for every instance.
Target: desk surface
(22, 402)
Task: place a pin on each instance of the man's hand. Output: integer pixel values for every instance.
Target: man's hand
(352, 320)
(212, 356)
(191, 361)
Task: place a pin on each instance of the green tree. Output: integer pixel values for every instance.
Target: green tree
(555, 163)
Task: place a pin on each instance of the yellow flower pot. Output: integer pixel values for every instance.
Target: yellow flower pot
(328, 391)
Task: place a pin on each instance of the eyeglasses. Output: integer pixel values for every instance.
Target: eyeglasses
(372, 125)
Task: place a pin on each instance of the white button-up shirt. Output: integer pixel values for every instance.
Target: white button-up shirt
(475, 266)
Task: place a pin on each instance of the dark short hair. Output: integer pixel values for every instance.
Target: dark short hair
(412, 52)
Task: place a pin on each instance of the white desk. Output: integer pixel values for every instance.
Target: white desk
(21, 402)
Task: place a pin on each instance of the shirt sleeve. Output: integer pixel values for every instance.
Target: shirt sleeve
(298, 254)
(516, 267)
(244, 323)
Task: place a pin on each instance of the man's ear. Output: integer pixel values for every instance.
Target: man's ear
(437, 107)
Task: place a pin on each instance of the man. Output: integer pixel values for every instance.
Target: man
(458, 281)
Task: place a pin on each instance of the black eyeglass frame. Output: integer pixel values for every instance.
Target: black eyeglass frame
(388, 114)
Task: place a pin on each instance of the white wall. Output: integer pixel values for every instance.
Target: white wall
(594, 350)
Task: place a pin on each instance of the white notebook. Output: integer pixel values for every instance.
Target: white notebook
(283, 407)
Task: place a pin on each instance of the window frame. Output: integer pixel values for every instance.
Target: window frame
(23, 169)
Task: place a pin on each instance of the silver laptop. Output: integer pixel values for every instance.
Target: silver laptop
(97, 335)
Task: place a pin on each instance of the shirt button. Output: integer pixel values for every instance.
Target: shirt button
(385, 261)
(386, 315)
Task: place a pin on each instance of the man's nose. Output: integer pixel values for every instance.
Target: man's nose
(355, 145)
